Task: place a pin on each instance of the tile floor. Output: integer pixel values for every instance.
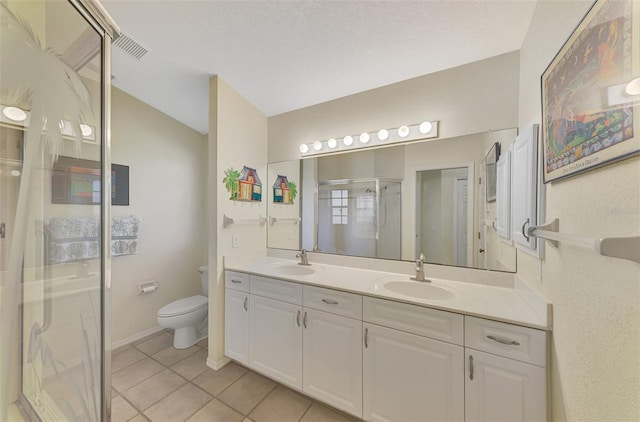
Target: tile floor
(152, 381)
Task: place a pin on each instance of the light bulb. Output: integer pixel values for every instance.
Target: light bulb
(86, 130)
(332, 143)
(633, 87)
(317, 145)
(348, 140)
(15, 173)
(425, 127)
(403, 131)
(304, 148)
(383, 134)
(364, 137)
(14, 113)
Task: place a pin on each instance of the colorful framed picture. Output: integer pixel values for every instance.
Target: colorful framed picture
(590, 93)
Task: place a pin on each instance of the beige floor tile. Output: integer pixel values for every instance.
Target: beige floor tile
(125, 357)
(244, 394)
(216, 411)
(134, 374)
(320, 413)
(114, 392)
(171, 355)
(149, 337)
(247, 420)
(139, 418)
(204, 343)
(179, 405)
(192, 366)
(214, 382)
(121, 410)
(153, 389)
(156, 344)
(281, 405)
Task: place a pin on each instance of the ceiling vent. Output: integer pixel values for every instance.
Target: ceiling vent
(130, 46)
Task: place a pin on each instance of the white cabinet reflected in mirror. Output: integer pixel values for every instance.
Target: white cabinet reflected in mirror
(396, 202)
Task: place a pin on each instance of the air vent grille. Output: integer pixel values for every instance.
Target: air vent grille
(130, 46)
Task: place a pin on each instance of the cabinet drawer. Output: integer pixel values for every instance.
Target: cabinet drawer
(439, 325)
(511, 341)
(285, 291)
(236, 281)
(333, 301)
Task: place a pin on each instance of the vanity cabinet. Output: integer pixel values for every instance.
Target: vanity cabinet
(236, 314)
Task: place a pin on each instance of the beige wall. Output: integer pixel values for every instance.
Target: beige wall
(595, 346)
(167, 171)
(237, 137)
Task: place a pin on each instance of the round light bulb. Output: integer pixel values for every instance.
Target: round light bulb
(348, 140)
(304, 148)
(86, 130)
(403, 131)
(15, 173)
(364, 137)
(317, 145)
(383, 134)
(633, 87)
(332, 143)
(14, 113)
(425, 127)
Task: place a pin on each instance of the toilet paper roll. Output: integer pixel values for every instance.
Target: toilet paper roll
(148, 289)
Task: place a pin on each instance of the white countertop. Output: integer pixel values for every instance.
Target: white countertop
(513, 305)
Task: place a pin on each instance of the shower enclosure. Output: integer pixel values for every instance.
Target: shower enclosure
(360, 217)
(54, 220)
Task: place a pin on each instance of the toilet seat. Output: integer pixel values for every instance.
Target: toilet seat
(183, 306)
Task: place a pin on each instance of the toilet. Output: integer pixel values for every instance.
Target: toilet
(188, 316)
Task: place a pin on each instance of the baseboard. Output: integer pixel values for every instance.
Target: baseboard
(215, 365)
(117, 344)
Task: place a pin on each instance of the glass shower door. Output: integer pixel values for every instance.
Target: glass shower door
(52, 211)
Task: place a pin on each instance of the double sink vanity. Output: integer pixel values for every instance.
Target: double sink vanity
(383, 347)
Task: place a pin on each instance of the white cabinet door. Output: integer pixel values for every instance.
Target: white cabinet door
(524, 186)
(503, 196)
(332, 360)
(236, 325)
(411, 378)
(275, 346)
(501, 389)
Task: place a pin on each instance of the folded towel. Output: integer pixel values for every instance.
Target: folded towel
(124, 235)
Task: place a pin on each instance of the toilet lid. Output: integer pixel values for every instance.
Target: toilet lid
(184, 306)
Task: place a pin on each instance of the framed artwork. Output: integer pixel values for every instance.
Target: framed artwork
(590, 95)
(76, 181)
(491, 171)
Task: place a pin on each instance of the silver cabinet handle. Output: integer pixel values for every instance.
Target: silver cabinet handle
(246, 298)
(298, 318)
(523, 232)
(471, 367)
(330, 302)
(304, 320)
(236, 281)
(504, 341)
(366, 338)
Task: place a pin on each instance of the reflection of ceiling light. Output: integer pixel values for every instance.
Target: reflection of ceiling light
(15, 173)
(425, 127)
(14, 113)
(348, 140)
(332, 143)
(86, 130)
(403, 131)
(383, 134)
(364, 137)
(304, 148)
(317, 145)
(633, 87)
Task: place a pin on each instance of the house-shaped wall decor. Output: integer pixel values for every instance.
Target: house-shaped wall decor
(284, 192)
(249, 185)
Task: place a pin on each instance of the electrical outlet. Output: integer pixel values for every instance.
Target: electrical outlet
(235, 241)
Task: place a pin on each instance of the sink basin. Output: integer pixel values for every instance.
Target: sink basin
(418, 289)
(293, 269)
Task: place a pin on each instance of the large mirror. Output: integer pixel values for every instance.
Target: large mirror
(426, 197)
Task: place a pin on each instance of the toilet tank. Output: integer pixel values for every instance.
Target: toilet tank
(204, 276)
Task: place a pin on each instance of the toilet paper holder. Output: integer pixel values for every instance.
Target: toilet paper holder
(147, 287)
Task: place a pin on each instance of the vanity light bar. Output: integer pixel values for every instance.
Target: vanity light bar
(419, 131)
(18, 117)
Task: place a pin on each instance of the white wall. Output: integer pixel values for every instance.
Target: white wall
(167, 171)
(595, 349)
(237, 137)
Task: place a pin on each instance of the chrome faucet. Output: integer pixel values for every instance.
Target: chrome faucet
(303, 257)
(420, 270)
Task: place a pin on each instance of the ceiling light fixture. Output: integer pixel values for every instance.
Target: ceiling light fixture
(304, 148)
(332, 143)
(14, 113)
(403, 131)
(364, 137)
(317, 145)
(383, 134)
(425, 127)
(348, 140)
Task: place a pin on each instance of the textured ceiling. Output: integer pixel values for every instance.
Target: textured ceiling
(286, 55)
